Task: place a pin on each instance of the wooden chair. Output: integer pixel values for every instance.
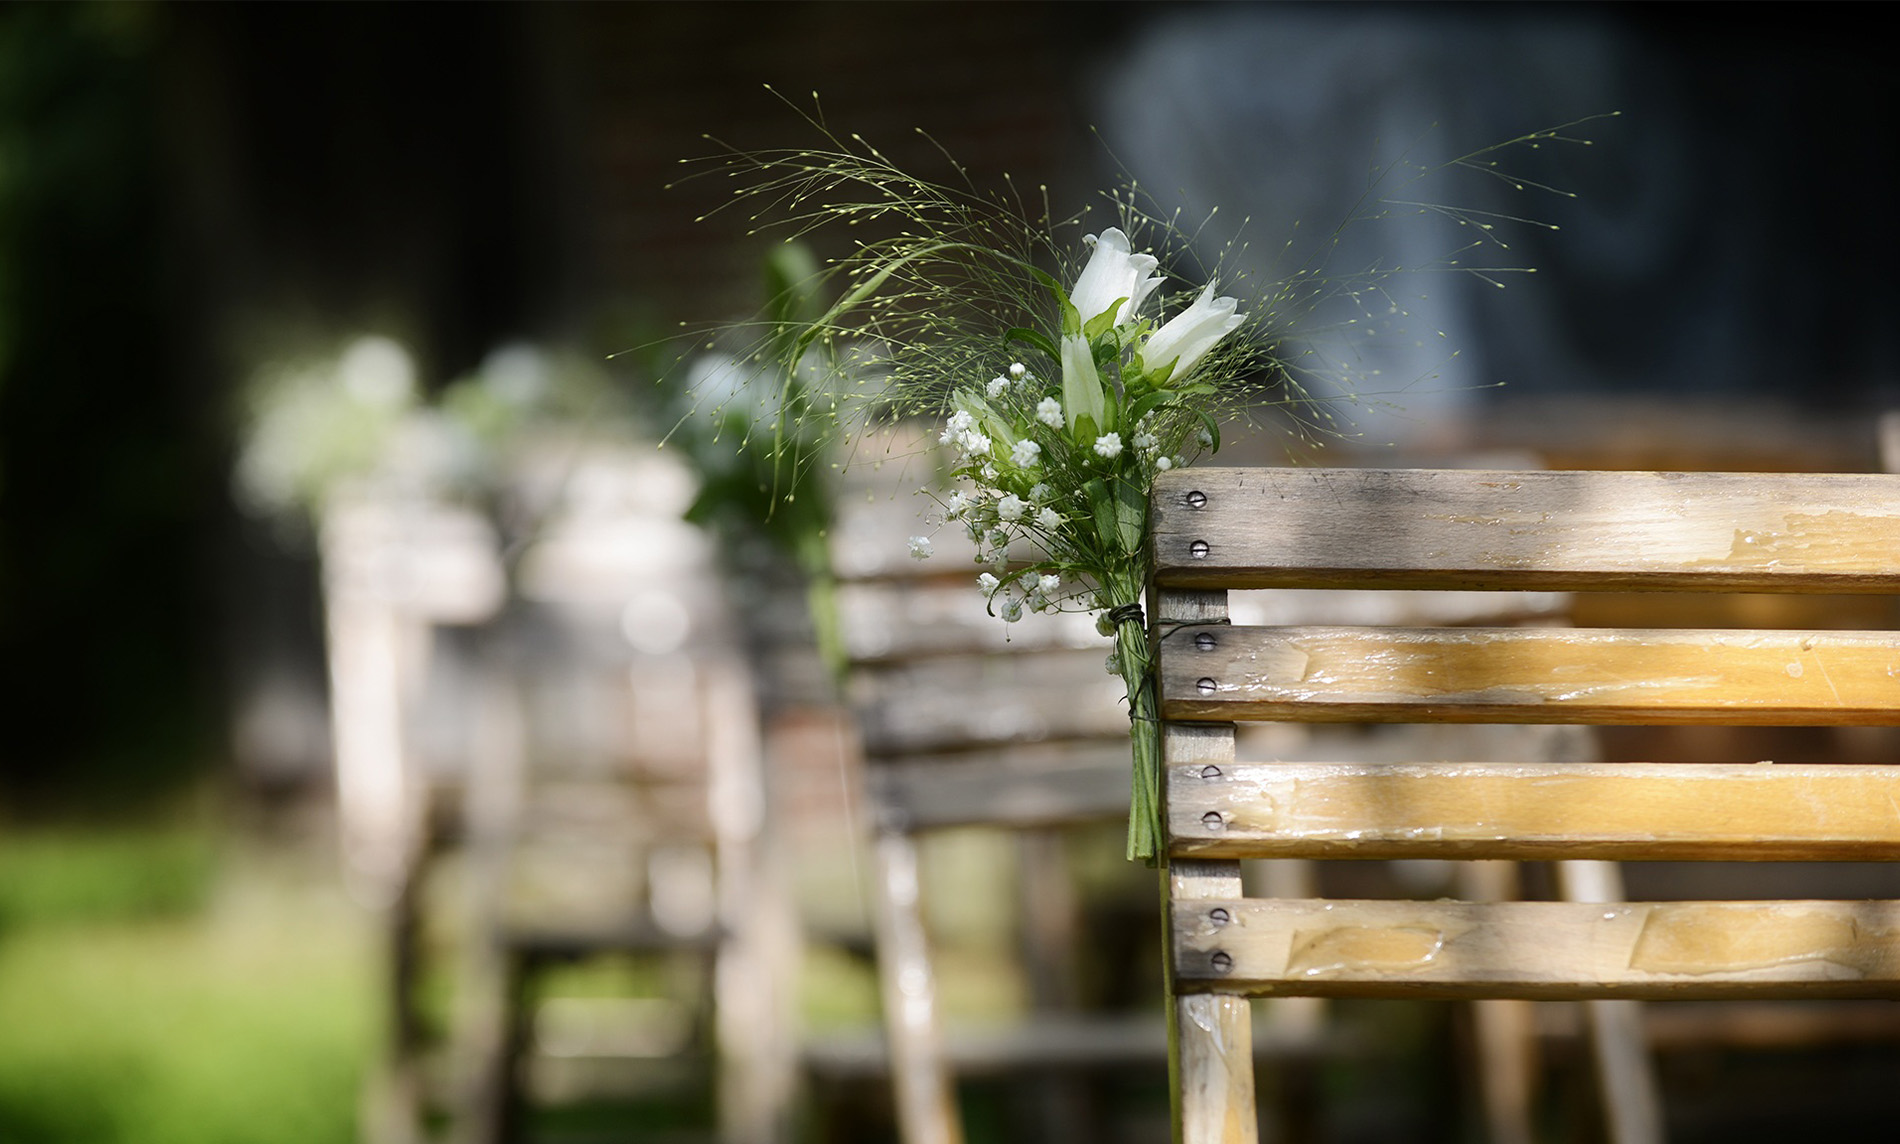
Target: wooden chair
(1221, 529)
(401, 575)
(616, 810)
(964, 721)
(968, 722)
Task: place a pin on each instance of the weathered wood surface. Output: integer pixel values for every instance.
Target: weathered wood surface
(1531, 675)
(1032, 785)
(1417, 528)
(1624, 811)
(1538, 950)
(1210, 1038)
(971, 702)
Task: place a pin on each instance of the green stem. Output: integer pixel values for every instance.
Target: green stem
(1136, 659)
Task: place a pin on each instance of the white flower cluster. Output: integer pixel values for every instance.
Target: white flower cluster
(1066, 464)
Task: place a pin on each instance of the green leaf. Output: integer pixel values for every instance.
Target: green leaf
(1033, 338)
(1213, 427)
(1085, 431)
(1102, 322)
(1131, 515)
(1102, 508)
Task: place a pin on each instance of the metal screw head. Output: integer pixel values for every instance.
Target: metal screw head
(1210, 771)
(1195, 499)
(1212, 820)
(1203, 641)
(1219, 916)
(1206, 685)
(1198, 549)
(1222, 961)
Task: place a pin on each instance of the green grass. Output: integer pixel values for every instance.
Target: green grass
(160, 987)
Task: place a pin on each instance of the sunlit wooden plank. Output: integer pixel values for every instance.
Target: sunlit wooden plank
(1531, 675)
(1547, 950)
(1626, 811)
(1295, 527)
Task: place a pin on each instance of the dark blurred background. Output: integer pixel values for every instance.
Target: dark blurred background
(186, 187)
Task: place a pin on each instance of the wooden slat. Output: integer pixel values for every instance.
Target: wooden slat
(1625, 811)
(1412, 528)
(1066, 783)
(1538, 950)
(1531, 675)
(976, 702)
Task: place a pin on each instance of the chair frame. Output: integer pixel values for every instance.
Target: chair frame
(1221, 529)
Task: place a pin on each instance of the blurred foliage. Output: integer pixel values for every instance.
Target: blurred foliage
(760, 439)
(108, 467)
(154, 996)
(62, 876)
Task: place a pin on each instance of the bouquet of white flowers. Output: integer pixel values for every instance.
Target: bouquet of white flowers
(1061, 394)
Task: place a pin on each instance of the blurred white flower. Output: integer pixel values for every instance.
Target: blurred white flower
(1050, 519)
(1049, 412)
(1109, 445)
(986, 582)
(920, 548)
(1025, 453)
(1011, 507)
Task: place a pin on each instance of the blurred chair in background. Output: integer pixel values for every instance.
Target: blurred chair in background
(589, 744)
(616, 815)
(397, 569)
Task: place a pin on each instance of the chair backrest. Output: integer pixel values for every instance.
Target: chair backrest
(1221, 529)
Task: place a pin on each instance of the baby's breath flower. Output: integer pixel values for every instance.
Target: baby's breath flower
(987, 583)
(1049, 412)
(960, 423)
(988, 471)
(1017, 370)
(1049, 519)
(1205, 438)
(999, 540)
(955, 505)
(1109, 445)
(1163, 464)
(1038, 602)
(1025, 453)
(1011, 507)
(1012, 611)
(973, 443)
(996, 386)
(1145, 442)
(1038, 491)
(920, 547)
(1048, 582)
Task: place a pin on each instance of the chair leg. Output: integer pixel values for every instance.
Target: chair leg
(1210, 1037)
(1505, 1031)
(925, 1094)
(1626, 1078)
